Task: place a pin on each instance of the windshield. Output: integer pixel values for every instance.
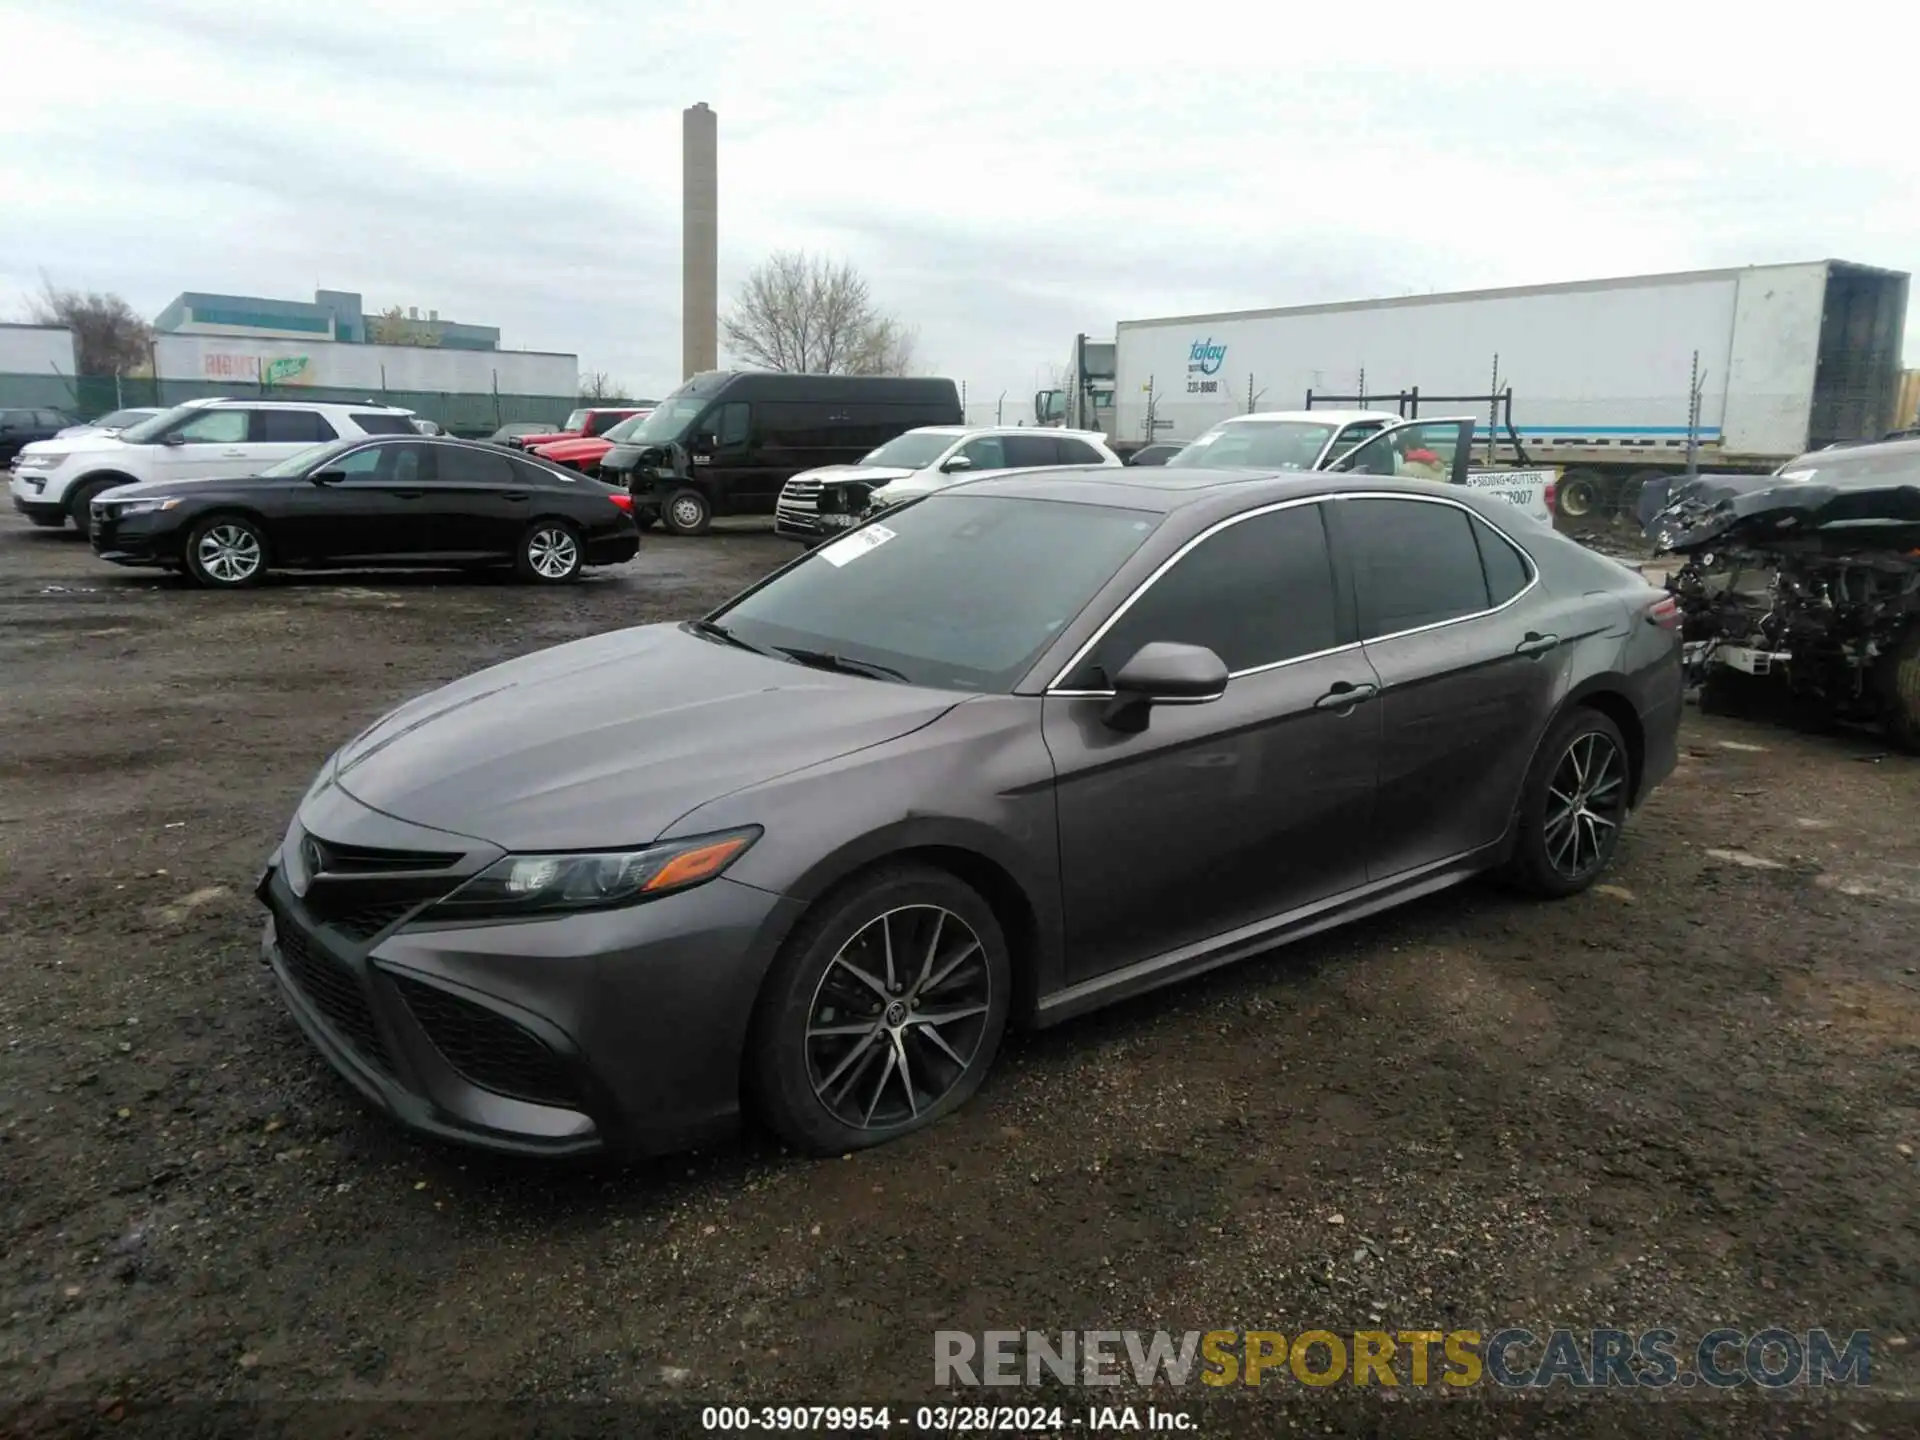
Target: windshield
(298, 462)
(577, 420)
(1256, 445)
(625, 429)
(670, 421)
(156, 427)
(1891, 465)
(959, 591)
(120, 419)
(913, 451)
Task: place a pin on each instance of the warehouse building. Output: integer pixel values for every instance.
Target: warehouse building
(335, 315)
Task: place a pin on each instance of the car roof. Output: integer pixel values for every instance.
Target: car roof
(1315, 417)
(373, 407)
(1164, 490)
(959, 430)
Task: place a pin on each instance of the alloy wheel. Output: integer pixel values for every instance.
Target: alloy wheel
(230, 553)
(552, 553)
(1586, 801)
(898, 1017)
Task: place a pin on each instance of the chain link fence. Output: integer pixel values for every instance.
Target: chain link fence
(88, 396)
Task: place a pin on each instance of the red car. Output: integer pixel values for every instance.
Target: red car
(580, 424)
(583, 452)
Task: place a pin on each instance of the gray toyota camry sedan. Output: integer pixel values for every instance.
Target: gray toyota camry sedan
(1015, 750)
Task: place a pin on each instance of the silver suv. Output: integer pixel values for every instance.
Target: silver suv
(817, 504)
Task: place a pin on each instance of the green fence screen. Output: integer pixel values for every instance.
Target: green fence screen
(87, 396)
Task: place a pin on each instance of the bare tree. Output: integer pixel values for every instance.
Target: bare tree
(393, 326)
(601, 388)
(108, 337)
(809, 315)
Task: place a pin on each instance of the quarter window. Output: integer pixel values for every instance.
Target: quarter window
(1256, 593)
(1078, 452)
(1506, 567)
(1414, 563)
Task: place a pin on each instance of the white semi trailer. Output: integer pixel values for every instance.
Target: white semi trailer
(1609, 381)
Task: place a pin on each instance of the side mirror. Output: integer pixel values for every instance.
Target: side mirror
(327, 477)
(1162, 672)
(173, 437)
(955, 463)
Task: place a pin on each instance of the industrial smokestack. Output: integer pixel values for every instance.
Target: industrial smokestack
(699, 240)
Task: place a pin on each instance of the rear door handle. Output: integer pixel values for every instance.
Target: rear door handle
(408, 494)
(1536, 644)
(1345, 695)
(513, 495)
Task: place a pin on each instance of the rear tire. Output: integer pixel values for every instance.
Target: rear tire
(549, 553)
(227, 552)
(688, 512)
(846, 1055)
(1581, 495)
(1572, 807)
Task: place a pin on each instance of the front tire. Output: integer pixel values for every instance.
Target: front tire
(1900, 691)
(80, 502)
(1572, 807)
(550, 553)
(227, 552)
(688, 512)
(883, 1012)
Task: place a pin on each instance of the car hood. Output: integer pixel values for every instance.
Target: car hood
(93, 440)
(1758, 509)
(186, 487)
(606, 741)
(924, 482)
(865, 474)
(578, 448)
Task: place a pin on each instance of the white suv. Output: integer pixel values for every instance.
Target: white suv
(819, 503)
(55, 480)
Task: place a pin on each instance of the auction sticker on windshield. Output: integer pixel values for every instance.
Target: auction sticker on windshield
(855, 545)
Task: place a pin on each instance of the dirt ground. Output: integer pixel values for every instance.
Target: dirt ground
(1687, 1098)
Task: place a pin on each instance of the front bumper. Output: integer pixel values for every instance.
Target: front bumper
(151, 539)
(618, 1031)
(29, 492)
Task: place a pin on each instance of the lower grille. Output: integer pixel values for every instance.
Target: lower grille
(333, 991)
(488, 1049)
(369, 920)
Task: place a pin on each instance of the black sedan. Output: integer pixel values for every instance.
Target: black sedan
(1012, 751)
(381, 501)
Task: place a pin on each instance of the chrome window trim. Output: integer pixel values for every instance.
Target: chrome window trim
(1533, 579)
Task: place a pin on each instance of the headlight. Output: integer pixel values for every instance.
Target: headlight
(39, 462)
(596, 880)
(143, 507)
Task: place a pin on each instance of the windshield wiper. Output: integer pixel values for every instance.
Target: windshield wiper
(716, 631)
(843, 664)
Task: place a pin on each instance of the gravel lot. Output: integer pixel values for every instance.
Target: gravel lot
(1688, 1098)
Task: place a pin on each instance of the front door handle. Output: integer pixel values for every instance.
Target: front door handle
(1345, 695)
(513, 495)
(408, 494)
(1536, 644)
(233, 454)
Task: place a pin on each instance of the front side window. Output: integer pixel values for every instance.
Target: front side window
(603, 421)
(213, 427)
(959, 591)
(1256, 593)
(1415, 563)
(730, 425)
(1256, 445)
(987, 453)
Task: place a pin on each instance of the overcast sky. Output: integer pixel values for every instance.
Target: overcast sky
(1004, 174)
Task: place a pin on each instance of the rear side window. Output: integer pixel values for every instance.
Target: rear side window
(1078, 452)
(1506, 568)
(289, 427)
(461, 466)
(1414, 562)
(1031, 450)
(1256, 593)
(604, 421)
(384, 424)
(52, 417)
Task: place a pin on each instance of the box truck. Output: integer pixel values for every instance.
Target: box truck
(1610, 381)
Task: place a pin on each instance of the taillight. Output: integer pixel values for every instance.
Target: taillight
(623, 500)
(1664, 612)
(1552, 493)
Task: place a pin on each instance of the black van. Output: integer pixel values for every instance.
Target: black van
(726, 441)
